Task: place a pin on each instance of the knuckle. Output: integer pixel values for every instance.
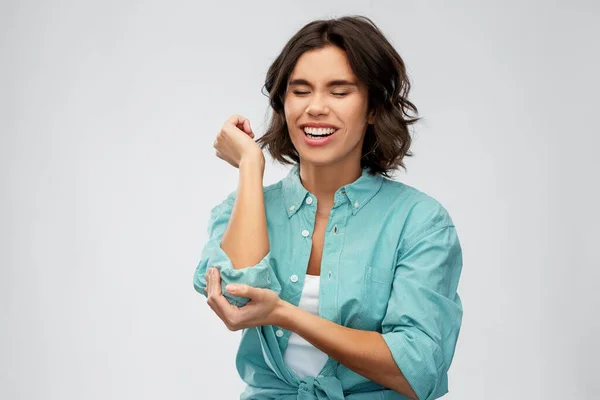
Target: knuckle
(236, 119)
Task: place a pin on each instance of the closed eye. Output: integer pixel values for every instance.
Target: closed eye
(296, 92)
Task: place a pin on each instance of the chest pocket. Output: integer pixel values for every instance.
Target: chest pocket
(376, 291)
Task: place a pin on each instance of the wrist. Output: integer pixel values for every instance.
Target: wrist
(256, 160)
(282, 314)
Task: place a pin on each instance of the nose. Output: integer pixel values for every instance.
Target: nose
(317, 106)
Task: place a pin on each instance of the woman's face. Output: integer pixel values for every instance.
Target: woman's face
(323, 91)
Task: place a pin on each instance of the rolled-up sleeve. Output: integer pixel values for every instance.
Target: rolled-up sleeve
(424, 313)
(261, 275)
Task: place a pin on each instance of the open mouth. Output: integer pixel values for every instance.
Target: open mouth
(319, 133)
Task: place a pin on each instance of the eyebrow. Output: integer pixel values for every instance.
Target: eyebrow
(337, 82)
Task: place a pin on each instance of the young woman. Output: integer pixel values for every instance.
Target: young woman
(343, 280)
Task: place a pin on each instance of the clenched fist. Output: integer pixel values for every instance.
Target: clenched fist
(235, 141)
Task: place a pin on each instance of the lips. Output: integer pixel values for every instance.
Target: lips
(314, 136)
(318, 140)
(318, 125)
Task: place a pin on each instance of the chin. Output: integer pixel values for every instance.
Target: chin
(318, 160)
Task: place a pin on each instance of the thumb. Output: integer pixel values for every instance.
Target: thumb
(241, 290)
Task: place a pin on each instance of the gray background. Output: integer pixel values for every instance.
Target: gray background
(108, 113)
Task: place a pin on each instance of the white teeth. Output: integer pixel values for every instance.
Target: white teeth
(319, 131)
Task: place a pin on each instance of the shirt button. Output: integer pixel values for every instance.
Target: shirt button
(320, 376)
(356, 204)
(335, 229)
(294, 278)
(292, 208)
(309, 200)
(305, 233)
(343, 192)
(279, 333)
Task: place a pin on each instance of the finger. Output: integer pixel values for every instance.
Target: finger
(208, 287)
(236, 120)
(231, 130)
(246, 128)
(219, 303)
(212, 293)
(242, 124)
(216, 281)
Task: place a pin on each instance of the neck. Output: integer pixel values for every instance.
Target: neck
(324, 180)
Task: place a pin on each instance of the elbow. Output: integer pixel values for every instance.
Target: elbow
(403, 386)
(244, 258)
(423, 363)
(433, 383)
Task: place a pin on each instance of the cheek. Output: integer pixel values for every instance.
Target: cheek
(357, 113)
(292, 107)
(293, 111)
(355, 119)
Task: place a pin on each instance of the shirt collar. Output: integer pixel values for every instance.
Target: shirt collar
(358, 193)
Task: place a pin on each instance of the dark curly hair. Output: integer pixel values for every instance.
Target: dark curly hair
(376, 63)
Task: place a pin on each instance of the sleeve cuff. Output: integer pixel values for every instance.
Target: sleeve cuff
(424, 374)
(260, 276)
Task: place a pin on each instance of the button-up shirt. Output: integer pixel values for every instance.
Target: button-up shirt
(391, 263)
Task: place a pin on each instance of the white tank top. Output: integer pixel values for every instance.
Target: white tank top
(300, 356)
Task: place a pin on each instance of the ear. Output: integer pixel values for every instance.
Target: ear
(371, 117)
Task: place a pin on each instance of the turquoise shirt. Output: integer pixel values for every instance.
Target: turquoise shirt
(391, 264)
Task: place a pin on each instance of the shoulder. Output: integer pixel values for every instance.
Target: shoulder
(413, 203)
(417, 212)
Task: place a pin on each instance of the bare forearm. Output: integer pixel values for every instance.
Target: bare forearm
(364, 352)
(246, 240)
